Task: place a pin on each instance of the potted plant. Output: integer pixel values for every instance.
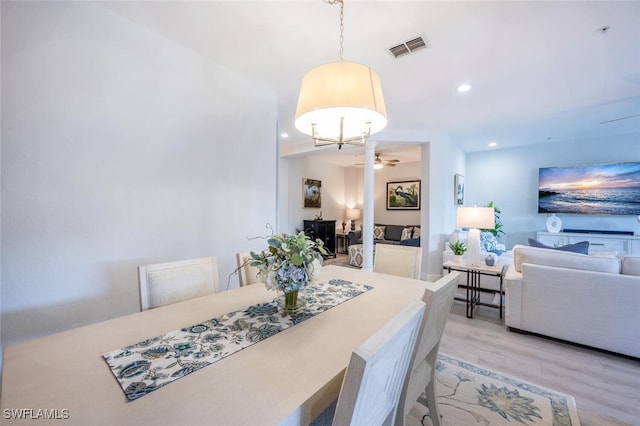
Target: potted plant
(458, 248)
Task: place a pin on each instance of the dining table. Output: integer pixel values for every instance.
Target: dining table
(286, 379)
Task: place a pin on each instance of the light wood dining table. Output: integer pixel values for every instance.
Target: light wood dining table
(288, 378)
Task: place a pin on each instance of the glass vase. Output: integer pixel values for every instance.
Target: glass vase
(291, 303)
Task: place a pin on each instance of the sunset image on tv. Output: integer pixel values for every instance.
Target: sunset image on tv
(595, 189)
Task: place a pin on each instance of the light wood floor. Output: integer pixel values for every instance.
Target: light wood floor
(606, 387)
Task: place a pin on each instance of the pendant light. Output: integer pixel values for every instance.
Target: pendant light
(340, 102)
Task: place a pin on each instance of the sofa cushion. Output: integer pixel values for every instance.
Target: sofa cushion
(630, 264)
(406, 233)
(378, 232)
(355, 237)
(581, 247)
(563, 259)
(393, 232)
(604, 253)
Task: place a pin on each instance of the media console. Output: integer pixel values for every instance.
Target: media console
(620, 243)
(596, 231)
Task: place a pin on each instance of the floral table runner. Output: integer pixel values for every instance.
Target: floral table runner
(146, 366)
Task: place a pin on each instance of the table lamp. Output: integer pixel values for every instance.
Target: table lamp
(353, 214)
(474, 218)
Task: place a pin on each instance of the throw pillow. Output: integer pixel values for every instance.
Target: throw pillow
(393, 232)
(416, 232)
(378, 232)
(414, 242)
(489, 243)
(582, 247)
(406, 233)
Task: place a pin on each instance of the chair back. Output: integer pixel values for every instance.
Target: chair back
(377, 370)
(165, 283)
(402, 261)
(247, 274)
(438, 298)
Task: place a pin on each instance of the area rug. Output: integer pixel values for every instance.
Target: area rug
(470, 395)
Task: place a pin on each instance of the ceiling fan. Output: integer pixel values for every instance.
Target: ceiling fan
(379, 163)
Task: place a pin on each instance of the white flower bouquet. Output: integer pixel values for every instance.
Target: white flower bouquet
(290, 263)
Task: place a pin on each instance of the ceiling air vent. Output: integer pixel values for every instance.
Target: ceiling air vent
(409, 46)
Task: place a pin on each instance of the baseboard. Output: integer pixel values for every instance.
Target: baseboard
(517, 330)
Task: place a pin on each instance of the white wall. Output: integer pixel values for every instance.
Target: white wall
(442, 159)
(293, 171)
(119, 148)
(509, 177)
(402, 172)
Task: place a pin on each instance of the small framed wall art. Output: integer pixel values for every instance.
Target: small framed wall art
(312, 192)
(458, 189)
(403, 195)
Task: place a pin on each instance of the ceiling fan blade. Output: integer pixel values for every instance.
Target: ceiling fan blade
(378, 160)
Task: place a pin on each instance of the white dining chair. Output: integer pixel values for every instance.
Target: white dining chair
(376, 373)
(402, 261)
(438, 299)
(247, 274)
(165, 283)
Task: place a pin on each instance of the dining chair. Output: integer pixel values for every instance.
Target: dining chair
(402, 261)
(376, 372)
(438, 299)
(165, 283)
(247, 274)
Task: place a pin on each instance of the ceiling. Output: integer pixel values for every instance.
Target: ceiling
(541, 72)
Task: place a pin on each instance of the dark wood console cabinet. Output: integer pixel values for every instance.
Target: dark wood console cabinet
(325, 231)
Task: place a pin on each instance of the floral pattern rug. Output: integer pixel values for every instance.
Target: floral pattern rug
(470, 395)
(145, 366)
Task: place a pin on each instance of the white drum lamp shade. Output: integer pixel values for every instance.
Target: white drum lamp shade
(474, 218)
(340, 102)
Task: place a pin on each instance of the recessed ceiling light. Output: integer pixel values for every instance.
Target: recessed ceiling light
(464, 88)
(284, 135)
(493, 143)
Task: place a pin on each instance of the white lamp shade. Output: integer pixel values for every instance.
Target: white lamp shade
(475, 217)
(341, 90)
(353, 214)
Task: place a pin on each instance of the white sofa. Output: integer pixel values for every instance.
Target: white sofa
(592, 300)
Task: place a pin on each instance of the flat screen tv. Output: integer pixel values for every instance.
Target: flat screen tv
(611, 189)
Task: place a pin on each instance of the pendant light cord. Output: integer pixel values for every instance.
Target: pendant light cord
(341, 2)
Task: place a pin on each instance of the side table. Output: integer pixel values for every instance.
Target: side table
(342, 243)
(473, 287)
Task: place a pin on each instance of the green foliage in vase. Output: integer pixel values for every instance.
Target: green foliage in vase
(496, 231)
(458, 248)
